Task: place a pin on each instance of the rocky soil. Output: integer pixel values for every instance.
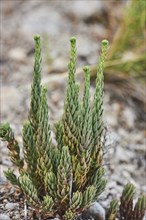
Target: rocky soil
(56, 21)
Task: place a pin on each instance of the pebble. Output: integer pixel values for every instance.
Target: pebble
(59, 65)
(95, 211)
(129, 117)
(11, 205)
(4, 217)
(2, 180)
(5, 200)
(98, 210)
(76, 8)
(123, 155)
(17, 216)
(17, 54)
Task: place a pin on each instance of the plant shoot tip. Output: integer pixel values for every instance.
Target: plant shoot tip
(73, 40)
(86, 68)
(105, 42)
(36, 37)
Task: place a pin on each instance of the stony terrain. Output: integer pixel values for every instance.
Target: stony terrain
(56, 21)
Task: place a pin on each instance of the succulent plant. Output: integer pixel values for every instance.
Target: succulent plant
(65, 180)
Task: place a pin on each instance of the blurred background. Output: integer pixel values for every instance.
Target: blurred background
(122, 22)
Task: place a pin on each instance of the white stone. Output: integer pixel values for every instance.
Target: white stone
(76, 7)
(4, 217)
(123, 155)
(11, 205)
(97, 209)
(129, 117)
(17, 54)
(17, 216)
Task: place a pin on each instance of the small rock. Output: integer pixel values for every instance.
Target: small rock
(76, 8)
(123, 155)
(59, 65)
(129, 117)
(4, 217)
(112, 114)
(17, 216)
(96, 211)
(2, 181)
(111, 184)
(11, 205)
(17, 54)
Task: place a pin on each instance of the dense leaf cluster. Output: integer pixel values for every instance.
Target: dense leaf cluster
(65, 179)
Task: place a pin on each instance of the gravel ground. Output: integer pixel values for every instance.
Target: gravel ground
(56, 21)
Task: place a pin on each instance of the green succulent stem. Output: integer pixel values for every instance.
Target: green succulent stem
(7, 134)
